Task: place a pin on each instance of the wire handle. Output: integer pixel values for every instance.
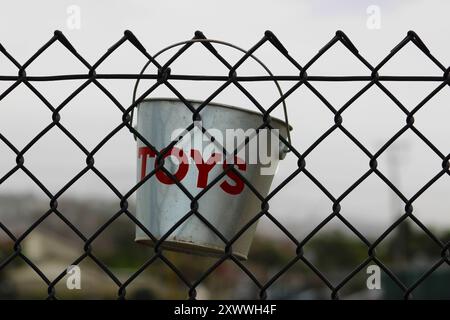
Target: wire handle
(207, 43)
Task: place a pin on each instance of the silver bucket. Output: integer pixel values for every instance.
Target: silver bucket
(229, 205)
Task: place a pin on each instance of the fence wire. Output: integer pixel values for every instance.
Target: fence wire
(164, 77)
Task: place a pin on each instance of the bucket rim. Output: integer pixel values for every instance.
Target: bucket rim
(217, 104)
(189, 248)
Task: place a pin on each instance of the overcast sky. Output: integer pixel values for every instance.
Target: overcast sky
(303, 27)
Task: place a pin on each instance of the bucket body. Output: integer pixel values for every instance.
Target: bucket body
(228, 205)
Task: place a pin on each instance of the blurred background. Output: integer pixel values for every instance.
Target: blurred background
(303, 27)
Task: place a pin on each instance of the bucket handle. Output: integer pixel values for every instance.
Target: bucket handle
(199, 37)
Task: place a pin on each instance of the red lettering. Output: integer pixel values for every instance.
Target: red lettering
(145, 152)
(204, 168)
(183, 167)
(239, 183)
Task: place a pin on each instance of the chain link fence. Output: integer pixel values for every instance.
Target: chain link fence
(164, 77)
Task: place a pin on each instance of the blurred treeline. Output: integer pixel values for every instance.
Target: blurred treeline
(408, 252)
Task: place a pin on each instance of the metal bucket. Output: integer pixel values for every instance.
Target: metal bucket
(229, 205)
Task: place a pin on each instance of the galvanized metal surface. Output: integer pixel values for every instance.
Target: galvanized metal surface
(160, 206)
